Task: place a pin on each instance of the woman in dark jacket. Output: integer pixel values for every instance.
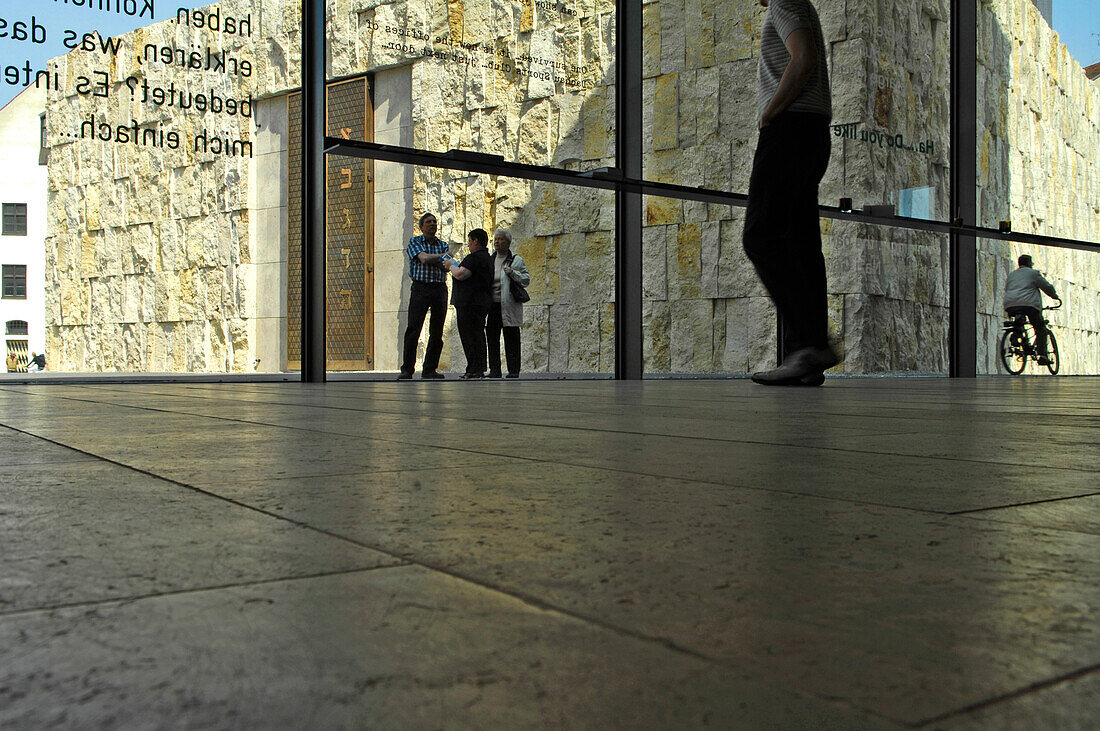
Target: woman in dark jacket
(472, 298)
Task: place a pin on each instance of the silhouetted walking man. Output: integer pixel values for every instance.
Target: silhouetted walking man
(782, 234)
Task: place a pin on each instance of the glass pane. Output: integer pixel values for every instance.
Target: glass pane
(1039, 119)
(564, 236)
(1071, 274)
(706, 311)
(1038, 172)
(530, 81)
(156, 227)
(889, 99)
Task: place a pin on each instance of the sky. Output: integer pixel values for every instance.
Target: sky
(56, 17)
(1077, 22)
(1078, 25)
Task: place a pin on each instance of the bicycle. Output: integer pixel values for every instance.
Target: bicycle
(1017, 344)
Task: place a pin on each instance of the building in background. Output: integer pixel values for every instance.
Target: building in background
(1046, 9)
(23, 232)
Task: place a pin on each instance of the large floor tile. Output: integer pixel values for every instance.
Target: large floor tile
(907, 615)
(81, 532)
(23, 449)
(391, 648)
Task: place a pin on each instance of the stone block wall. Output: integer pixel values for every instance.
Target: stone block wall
(151, 261)
(1039, 167)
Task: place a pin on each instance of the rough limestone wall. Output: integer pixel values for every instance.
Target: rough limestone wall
(148, 259)
(896, 320)
(705, 309)
(1039, 139)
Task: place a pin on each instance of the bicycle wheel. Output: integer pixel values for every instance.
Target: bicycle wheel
(1052, 354)
(1012, 358)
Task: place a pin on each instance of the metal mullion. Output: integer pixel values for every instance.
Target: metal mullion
(963, 337)
(609, 179)
(313, 191)
(629, 363)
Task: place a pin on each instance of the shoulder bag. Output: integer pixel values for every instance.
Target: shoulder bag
(519, 292)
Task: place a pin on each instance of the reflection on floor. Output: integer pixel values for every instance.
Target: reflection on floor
(874, 553)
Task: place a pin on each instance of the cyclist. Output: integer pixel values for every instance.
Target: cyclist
(1022, 298)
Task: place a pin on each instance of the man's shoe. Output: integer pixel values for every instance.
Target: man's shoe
(472, 376)
(403, 376)
(778, 377)
(513, 375)
(493, 375)
(815, 379)
(432, 375)
(805, 367)
(1043, 360)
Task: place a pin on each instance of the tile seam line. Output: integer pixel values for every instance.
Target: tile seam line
(1010, 695)
(540, 426)
(523, 598)
(194, 590)
(711, 483)
(1024, 504)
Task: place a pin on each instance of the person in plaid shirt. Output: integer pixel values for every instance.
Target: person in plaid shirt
(429, 292)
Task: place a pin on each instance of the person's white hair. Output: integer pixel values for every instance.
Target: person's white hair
(506, 234)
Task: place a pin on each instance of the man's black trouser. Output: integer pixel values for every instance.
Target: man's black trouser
(1036, 318)
(423, 297)
(493, 327)
(782, 232)
(471, 329)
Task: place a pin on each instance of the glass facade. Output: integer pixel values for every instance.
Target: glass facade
(163, 233)
(1038, 171)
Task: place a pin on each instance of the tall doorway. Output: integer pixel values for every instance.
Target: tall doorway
(349, 232)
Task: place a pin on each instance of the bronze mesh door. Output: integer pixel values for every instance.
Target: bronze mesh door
(294, 233)
(349, 232)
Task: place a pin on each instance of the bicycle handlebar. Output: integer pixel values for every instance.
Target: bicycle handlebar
(1055, 307)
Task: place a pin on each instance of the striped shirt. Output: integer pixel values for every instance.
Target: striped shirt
(785, 17)
(418, 270)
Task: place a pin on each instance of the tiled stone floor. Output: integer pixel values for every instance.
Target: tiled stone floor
(877, 553)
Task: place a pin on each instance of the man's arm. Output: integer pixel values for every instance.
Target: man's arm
(800, 44)
(1047, 287)
(416, 250)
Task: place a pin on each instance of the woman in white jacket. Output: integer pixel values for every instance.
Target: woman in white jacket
(506, 314)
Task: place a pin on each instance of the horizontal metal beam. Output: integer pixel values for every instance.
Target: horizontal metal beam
(612, 179)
